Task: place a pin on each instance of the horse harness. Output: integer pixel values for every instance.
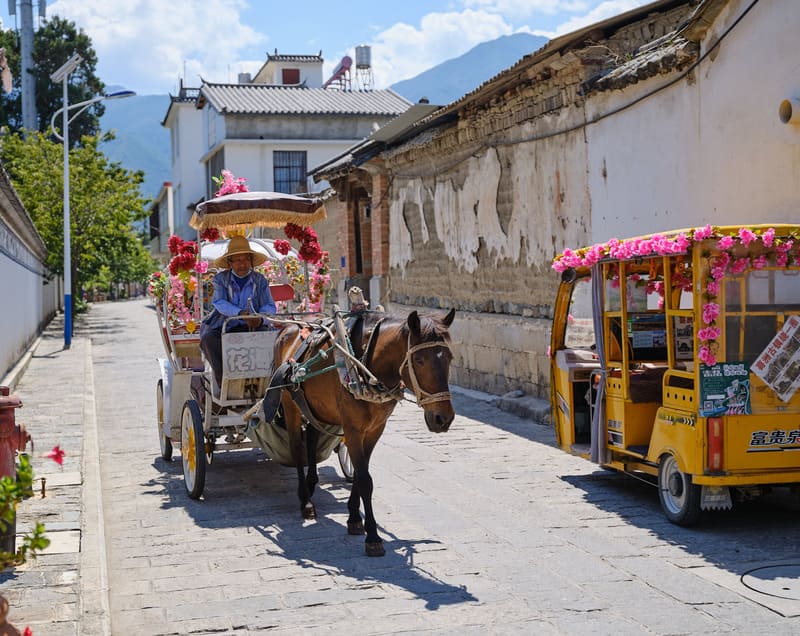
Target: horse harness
(354, 374)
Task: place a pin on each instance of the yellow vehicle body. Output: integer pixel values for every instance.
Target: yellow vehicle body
(677, 356)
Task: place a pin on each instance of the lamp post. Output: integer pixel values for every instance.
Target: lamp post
(62, 75)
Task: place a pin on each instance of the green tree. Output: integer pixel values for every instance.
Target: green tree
(53, 44)
(105, 205)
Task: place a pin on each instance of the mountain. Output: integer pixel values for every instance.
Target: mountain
(141, 143)
(455, 78)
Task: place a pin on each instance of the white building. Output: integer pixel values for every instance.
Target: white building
(269, 130)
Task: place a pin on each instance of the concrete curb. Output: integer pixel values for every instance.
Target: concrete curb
(95, 615)
(11, 379)
(516, 402)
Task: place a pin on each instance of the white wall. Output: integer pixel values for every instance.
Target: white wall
(28, 304)
(252, 159)
(187, 173)
(710, 149)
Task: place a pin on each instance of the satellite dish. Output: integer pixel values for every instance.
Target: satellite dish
(5, 73)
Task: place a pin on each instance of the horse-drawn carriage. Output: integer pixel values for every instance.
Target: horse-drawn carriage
(312, 385)
(197, 413)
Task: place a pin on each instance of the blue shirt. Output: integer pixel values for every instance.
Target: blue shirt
(231, 296)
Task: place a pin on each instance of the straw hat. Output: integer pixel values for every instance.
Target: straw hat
(239, 245)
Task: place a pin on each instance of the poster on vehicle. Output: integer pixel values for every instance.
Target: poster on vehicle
(725, 389)
(684, 337)
(779, 364)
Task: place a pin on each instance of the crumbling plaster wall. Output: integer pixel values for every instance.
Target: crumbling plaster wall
(480, 237)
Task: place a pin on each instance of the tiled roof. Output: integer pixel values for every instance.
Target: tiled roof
(280, 57)
(258, 99)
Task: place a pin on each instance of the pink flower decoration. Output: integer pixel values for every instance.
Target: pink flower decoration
(768, 237)
(725, 243)
(746, 236)
(559, 265)
(710, 312)
(709, 333)
(682, 243)
(702, 233)
(707, 357)
(201, 267)
(712, 288)
(739, 265)
(760, 262)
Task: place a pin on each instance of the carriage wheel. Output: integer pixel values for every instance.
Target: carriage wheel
(680, 498)
(164, 441)
(193, 449)
(344, 461)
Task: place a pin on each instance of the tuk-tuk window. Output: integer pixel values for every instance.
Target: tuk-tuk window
(751, 323)
(580, 326)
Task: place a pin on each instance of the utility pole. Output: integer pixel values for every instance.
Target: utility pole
(26, 50)
(28, 81)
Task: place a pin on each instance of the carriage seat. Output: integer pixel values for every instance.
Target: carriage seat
(281, 293)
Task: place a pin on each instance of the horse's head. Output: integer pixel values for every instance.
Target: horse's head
(427, 368)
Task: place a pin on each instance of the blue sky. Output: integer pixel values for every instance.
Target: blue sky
(149, 45)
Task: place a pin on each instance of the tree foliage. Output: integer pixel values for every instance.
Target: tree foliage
(53, 44)
(105, 204)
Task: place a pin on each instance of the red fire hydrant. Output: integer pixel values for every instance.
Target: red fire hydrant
(13, 438)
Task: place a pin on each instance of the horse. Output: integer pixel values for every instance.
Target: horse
(412, 352)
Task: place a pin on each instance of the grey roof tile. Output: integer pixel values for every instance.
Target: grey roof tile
(258, 99)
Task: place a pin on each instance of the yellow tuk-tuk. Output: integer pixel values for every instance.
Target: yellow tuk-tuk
(676, 356)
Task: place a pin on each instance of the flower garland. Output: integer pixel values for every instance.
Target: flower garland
(179, 286)
(734, 258)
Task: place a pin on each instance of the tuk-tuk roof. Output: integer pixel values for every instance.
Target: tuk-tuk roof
(677, 242)
(257, 209)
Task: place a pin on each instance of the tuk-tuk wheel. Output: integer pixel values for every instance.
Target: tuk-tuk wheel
(680, 498)
(193, 449)
(164, 442)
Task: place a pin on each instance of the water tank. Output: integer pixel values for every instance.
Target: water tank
(363, 56)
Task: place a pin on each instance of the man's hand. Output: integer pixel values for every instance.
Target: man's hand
(252, 321)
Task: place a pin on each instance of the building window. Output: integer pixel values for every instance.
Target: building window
(290, 75)
(289, 171)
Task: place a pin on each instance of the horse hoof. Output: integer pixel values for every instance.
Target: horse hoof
(356, 527)
(309, 512)
(374, 549)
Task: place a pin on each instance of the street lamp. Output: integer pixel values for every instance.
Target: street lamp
(62, 75)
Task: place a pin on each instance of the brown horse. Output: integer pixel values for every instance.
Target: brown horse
(413, 352)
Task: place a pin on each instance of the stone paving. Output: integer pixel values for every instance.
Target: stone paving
(488, 528)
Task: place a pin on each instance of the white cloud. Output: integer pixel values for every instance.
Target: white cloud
(526, 8)
(604, 10)
(154, 41)
(403, 51)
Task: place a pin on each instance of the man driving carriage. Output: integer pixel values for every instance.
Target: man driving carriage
(239, 290)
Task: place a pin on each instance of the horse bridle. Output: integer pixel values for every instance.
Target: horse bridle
(423, 397)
